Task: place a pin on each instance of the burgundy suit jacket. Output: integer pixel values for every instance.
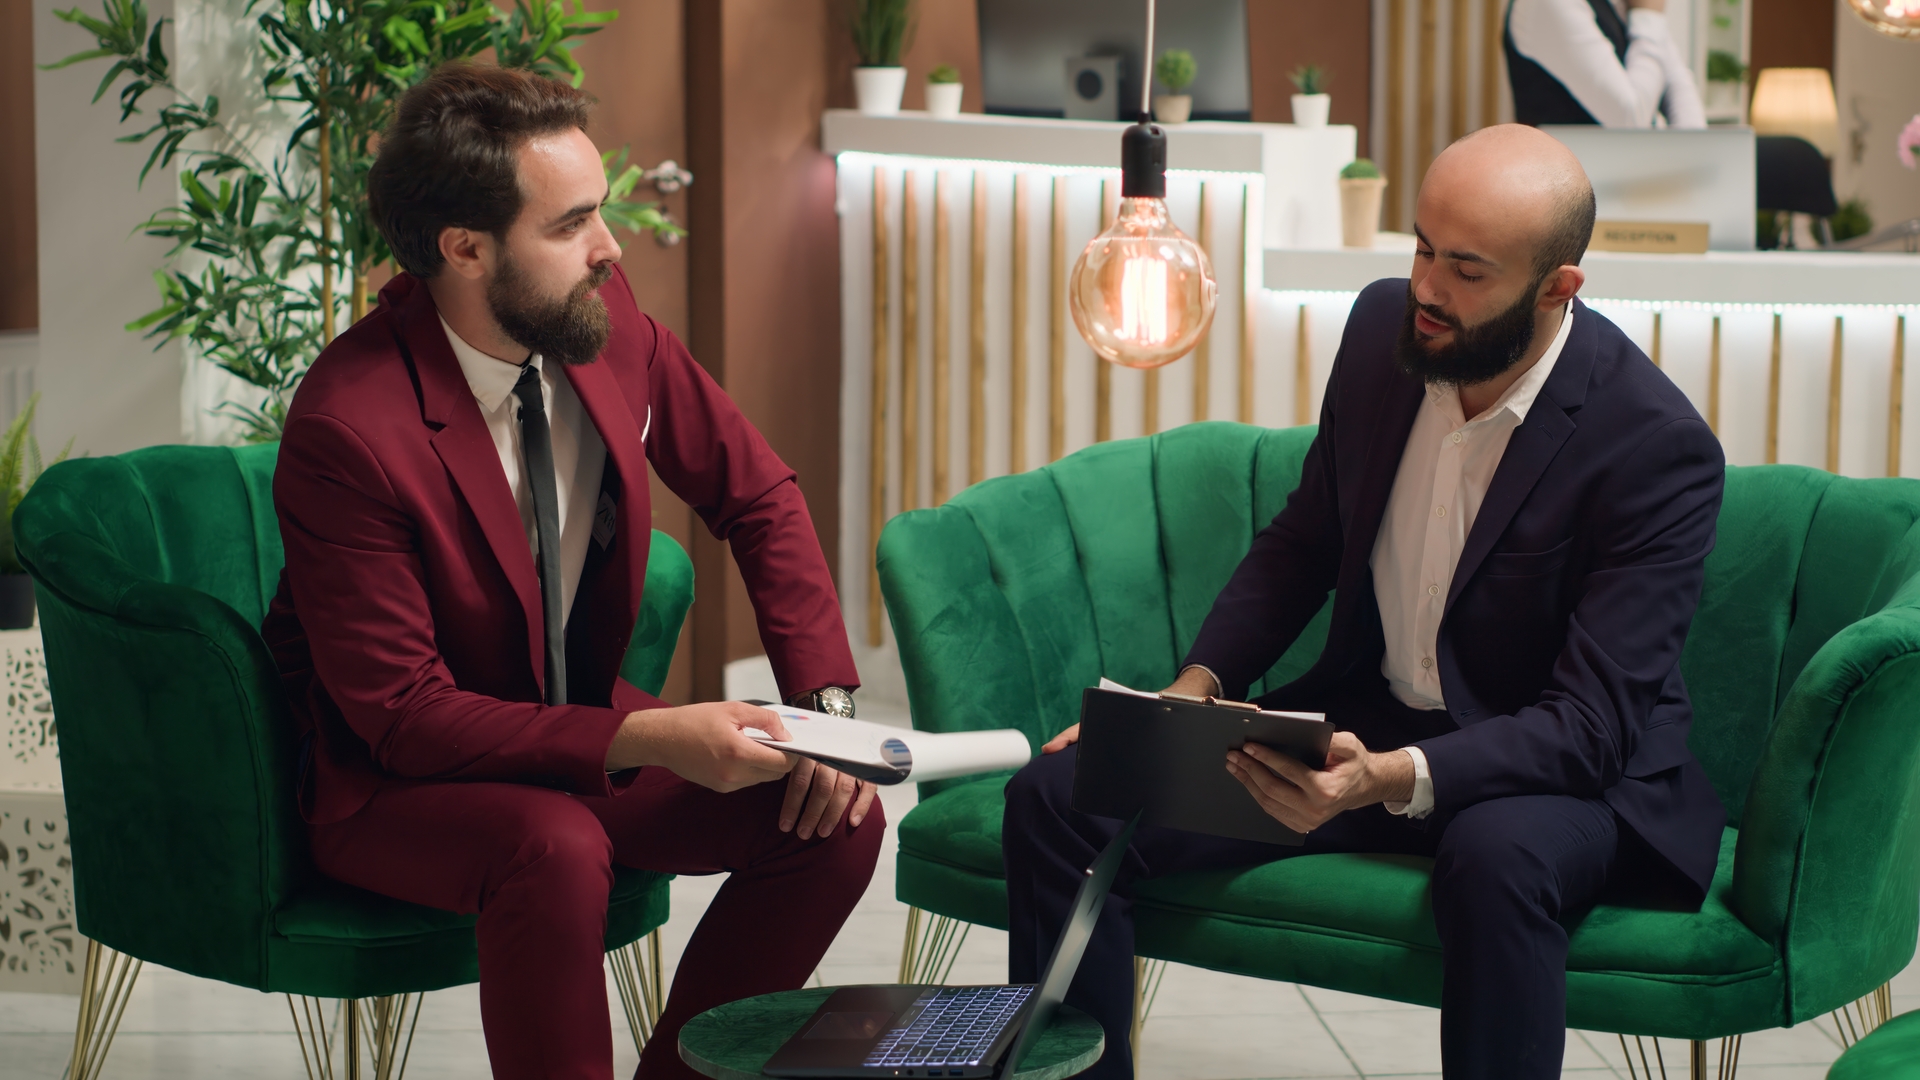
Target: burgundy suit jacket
(408, 623)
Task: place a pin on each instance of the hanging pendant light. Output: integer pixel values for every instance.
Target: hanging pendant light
(1894, 18)
(1143, 293)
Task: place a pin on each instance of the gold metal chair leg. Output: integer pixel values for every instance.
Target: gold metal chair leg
(1646, 1068)
(383, 1026)
(639, 975)
(106, 982)
(931, 947)
(1147, 975)
(1855, 1019)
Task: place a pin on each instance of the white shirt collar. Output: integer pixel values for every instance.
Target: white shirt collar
(490, 378)
(1521, 395)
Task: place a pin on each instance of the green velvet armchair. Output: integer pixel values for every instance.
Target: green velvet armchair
(153, 570)
(1803, 662)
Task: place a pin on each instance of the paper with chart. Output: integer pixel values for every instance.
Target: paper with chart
(889, 755)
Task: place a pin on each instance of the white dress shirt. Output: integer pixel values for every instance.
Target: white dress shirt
(1562, 37)
(579, 455)
(1445, 470)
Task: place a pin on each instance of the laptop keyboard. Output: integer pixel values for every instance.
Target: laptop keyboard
(955, 1025)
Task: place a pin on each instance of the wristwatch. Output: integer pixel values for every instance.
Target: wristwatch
(832, 700)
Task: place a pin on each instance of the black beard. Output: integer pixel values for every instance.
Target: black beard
(570, 330)
(1476, 354)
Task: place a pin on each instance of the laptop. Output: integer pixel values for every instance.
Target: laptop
(947, 1031)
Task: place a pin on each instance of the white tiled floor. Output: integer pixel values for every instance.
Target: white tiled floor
(1205, 1025)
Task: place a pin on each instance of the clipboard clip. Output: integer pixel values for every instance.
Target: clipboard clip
(1195, 699)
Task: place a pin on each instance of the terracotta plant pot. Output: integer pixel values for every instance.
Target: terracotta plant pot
(1360, 210)
(16, 601)
(878, 89)
(943, 99)
(1310, 110)
(1173, 108)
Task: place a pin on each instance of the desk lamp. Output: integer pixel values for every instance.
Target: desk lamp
(1143, 293)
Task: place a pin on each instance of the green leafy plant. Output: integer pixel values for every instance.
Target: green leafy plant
(1360, 169)
(944, 74)
(1311, 78)
(882, 30)
(1175, 70)
(1723, 66)
(272, 245)
(1851, 220)
(20, 468)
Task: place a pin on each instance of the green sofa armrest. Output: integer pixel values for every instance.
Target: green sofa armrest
(1828, 864)
(177, 760)
(663, 608)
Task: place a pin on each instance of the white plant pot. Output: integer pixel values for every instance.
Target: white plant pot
(1360, 199)
(1173, 108)
(878, 89)
(943, 99)
(1310, 110)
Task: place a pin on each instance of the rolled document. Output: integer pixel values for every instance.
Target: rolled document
(890, 755)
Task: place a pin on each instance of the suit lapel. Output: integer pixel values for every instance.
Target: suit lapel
(613, 416)
(1532, 448)
(466, 449)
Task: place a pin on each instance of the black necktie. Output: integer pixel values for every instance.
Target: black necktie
(537, 440)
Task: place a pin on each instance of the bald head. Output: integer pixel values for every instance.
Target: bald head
(1513, 185)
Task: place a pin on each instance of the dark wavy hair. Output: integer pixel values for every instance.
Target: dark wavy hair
(448, 157)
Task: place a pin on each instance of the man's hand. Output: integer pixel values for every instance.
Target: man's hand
(703, 743)
(817, 795)
(1304, 799)
(1193, 682)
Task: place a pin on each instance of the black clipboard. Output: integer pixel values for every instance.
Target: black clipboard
(1165, 758)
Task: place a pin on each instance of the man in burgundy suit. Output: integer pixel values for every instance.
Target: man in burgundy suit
(462, 491)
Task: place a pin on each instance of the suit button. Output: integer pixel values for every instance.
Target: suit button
(1426, 661)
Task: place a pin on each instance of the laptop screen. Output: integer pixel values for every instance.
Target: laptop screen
(1094, 886)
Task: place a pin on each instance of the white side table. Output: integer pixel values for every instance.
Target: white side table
(40, 949)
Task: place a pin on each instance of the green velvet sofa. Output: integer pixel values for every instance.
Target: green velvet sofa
(153, 570)
(1890, 1052)
(1803, 662)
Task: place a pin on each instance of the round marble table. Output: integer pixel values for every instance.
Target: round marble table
(734, 1041)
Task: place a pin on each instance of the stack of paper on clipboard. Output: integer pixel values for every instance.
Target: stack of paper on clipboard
(891, 755)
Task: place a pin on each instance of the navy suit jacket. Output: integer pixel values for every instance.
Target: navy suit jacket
(1559, 650)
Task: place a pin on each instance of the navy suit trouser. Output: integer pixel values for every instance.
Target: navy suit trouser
(1509, 876)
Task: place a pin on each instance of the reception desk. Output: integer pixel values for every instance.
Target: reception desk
(960, 361)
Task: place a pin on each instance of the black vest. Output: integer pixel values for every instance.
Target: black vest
(1538, 97)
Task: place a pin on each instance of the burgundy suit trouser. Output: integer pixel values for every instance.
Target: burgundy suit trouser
(537, 865)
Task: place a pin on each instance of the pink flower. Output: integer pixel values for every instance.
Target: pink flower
(1909, 141)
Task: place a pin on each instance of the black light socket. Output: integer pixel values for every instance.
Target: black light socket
(1143, 162)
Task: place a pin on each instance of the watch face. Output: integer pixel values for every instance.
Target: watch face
(836, 702)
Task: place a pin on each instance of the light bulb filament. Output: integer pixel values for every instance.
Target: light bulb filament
(1143, 301)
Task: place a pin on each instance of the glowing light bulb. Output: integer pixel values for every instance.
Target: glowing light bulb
(1894, 18)
(1142, 293)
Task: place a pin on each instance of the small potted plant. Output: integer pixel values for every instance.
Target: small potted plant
(19, 467)
(1361, 188)
(882, 29)
(1175, 71)
(1726, 86)
(1311, 104)
(943, 91)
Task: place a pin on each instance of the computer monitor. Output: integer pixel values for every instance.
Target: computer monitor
(1025, 45)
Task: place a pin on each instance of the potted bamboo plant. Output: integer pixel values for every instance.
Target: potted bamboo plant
(1312, 103)
(20, 466)
(1175, 70)
(943, 91)
(1361, 188)
(882, 30)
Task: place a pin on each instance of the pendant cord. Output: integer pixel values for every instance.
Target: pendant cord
(1146, 76)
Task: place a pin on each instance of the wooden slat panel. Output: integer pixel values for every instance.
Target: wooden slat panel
(1713, 380)
(1896, 394)
(1395, 154)
(1424, 116)
(1459, 37)
(1249, 303)
(909, 341)
(1057, 326)
(977, 334)
(1102, 370)
(1303, 370)
(877, 420)
(1773, 396)
(1656, 339)
(1203, 352)
(942, 332)
(1492, 35)
(1834, 381)
(1017, 440)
